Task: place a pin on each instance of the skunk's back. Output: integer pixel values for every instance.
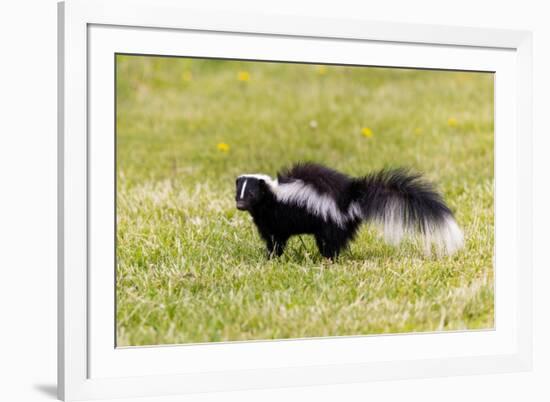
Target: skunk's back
(324, 180)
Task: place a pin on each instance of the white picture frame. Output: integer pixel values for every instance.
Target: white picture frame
(91, 32)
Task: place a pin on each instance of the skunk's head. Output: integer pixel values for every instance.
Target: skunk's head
(251, 189)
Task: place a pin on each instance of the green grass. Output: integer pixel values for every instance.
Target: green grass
(191, 268)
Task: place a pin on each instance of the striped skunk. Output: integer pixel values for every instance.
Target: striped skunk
(313, 199)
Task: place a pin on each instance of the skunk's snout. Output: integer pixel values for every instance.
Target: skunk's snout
(241, 205)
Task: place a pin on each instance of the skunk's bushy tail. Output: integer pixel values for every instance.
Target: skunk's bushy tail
(403, 204)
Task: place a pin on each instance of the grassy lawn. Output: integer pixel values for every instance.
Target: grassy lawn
(191, 268)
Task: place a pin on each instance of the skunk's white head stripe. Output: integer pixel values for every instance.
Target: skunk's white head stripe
(244, 187)
(269, 181)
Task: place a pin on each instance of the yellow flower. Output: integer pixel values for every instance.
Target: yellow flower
(418, 131)
(321, 70)
(244, 76)
(366, 132)
(223, 147)
(186, 76)
(452, 122)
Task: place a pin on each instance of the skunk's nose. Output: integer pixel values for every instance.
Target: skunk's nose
(241, 205)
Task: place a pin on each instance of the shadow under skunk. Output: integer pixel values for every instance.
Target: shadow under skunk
(313, 199)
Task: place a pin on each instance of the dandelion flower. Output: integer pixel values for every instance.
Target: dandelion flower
(186, 76)
(452, 122)
(313, 123)
(366, 132)
(223, 147)
(321, 70)
(244, 76)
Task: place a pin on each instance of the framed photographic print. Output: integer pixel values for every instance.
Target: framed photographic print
(255, 201)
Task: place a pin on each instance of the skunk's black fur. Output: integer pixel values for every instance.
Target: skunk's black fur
(313, 199)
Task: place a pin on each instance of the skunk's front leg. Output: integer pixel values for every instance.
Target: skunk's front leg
(274, 240)
(275, 246)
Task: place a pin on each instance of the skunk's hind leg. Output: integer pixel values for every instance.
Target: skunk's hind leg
(275, 245)
(331, 242)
